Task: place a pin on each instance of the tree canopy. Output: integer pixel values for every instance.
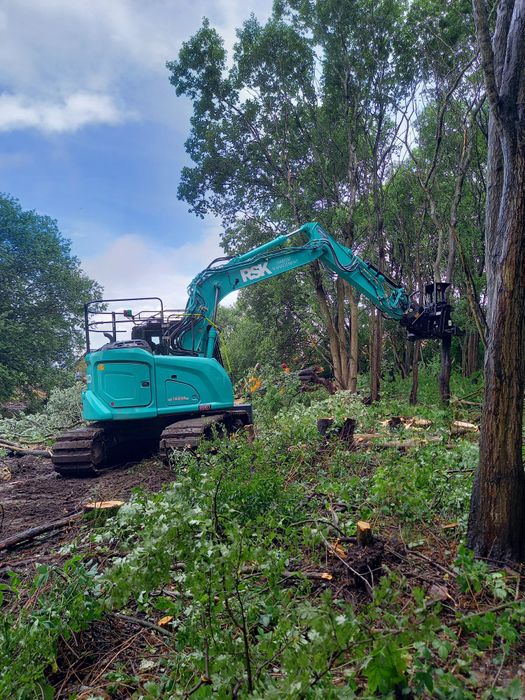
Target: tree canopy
(42, 292)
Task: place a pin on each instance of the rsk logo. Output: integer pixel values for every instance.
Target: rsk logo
(254, 272)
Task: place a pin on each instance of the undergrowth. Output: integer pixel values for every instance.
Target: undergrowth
(61, 411)
(224, 557)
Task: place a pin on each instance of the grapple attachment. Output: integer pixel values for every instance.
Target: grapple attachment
(434, 319)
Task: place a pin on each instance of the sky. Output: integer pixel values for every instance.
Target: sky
(92, 133)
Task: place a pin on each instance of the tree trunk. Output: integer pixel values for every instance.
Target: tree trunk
(444, 374)
(354, 341)
(376, 351)
(470, 353)
(497, 513)
(339, 347)
(415, 374)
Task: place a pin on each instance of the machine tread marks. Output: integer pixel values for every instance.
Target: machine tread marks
(80, 452)
(186, 434)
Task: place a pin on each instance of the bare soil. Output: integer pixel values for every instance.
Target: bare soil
(32, 494)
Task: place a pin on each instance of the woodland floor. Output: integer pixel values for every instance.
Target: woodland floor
(33, 494)
(120, 655)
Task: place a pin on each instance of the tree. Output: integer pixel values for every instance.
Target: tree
(42, 292)
(300, 126)
(497, 514)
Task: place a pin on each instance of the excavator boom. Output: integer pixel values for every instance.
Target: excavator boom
(209, 287)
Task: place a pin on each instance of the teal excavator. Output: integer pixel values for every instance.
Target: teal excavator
(165, 388)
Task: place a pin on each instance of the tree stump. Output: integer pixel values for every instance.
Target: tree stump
(364, 533)
(347, 431)
(324, 425)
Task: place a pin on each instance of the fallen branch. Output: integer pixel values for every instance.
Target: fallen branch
(143, 623)
(33, 532)
(19, 449)
(312, 575)
(368, 440)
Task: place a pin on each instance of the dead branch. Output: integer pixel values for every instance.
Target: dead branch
(143, 623)
(19, 449)
(33, 532)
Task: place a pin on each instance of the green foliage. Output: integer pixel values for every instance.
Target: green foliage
(42, 292)
(65, 603)
(62, 410)
(217, 550)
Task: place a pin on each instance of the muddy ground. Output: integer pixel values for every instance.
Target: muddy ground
(32, 494)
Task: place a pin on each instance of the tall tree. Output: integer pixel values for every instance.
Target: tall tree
(42, 291)
(497, 514)
(297, 126)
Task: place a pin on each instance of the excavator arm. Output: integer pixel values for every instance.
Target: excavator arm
(196, 334)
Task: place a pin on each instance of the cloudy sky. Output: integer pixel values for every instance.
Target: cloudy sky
(92, 133)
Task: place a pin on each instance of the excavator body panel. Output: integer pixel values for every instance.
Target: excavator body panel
(130, 383)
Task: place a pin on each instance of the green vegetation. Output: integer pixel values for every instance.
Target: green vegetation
(227, 551)
(42, 292)
(61, 411)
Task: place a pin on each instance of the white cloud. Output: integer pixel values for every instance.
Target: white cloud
(72, 113)
(133, 266)
(66, 62)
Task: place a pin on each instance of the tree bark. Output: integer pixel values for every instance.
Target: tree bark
(376, 351)
(497, 514)
(354, 341)
(415, 374)
(446, 364)
(470, 353)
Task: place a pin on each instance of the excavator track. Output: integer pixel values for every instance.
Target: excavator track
(186, 434)
(81, 453)
(97, 448)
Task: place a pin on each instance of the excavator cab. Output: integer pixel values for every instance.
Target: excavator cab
(434, 319)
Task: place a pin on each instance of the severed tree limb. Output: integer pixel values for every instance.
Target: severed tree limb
(367, 440)
(143, 623)
(19, 449)
(33, 532)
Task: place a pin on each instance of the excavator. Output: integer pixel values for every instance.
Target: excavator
(165, 388)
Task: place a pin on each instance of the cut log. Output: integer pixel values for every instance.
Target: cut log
(19, 449)
(459, 427)
(367, 440)
(33, 532)
(419, 423)
(103, 505)
(364, 533)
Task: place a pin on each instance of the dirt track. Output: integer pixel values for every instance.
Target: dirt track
(34, 495)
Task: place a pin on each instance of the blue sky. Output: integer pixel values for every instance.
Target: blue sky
(92, 133)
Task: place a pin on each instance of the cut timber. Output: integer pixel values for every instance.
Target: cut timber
(398, 421)
(459, 427)
(310, 375)
(19, 449)
(103, 505)
(33, 532)
(368, 440)
(419, 423)
(364, 533)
